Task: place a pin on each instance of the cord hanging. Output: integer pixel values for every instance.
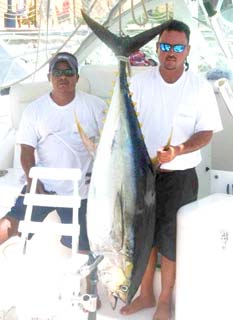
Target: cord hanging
(121, 33)
(144, 10)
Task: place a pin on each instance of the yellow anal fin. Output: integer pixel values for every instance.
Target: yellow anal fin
(154, 161)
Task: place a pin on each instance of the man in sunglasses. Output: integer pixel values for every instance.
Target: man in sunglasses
(176, 123)
(48, 129)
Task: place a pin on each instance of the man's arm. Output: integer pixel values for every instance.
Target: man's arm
(28, 161)
(195, 142)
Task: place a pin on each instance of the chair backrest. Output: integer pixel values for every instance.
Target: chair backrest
(95, 79)
(22, 94)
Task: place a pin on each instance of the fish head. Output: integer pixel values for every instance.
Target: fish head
(116, 278)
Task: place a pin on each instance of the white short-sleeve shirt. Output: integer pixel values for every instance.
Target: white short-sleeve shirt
(52, 131)
(183, 108)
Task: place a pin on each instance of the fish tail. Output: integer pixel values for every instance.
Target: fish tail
(122, 46)
(209, 8)
(109, 38)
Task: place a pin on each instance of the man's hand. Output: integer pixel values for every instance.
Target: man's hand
(166, 154)
(195, 142)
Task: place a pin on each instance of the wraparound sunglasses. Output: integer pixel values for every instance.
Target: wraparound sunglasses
(166, 47)
(66, 72)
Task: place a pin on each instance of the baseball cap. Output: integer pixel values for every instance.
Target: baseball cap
(64, 56)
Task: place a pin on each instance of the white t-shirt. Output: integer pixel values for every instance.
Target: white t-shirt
(52, 131)
(183, 108)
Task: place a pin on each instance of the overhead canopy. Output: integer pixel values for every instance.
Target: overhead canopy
(12, 68)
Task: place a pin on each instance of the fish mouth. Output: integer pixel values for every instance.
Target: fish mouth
(113, 300)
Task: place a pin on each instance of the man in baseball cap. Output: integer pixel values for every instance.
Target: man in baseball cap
(48, 138)
(64, 57)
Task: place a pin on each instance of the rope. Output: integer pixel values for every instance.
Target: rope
(146, 19)
(125, 59)
(39, 68)
(38, 42)
(120, 22)
(47, 23)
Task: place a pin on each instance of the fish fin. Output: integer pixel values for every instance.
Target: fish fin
(134, 104)
(155, 160)
(118, 224)
(122, 46)
(109, 38)
(209, 8)
(128, 269)
(88, 143)
(169, 140)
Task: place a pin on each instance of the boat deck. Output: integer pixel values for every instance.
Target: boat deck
(39, 249)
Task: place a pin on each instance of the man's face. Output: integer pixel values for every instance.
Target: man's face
(171, 60)
(63, 81)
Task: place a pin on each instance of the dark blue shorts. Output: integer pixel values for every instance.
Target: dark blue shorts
(39, 214)
(173, 190)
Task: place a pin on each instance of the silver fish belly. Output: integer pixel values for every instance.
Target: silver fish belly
(121, 201)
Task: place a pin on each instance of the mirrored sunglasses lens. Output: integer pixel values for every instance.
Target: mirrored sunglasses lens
(179, 48)
(165, 47)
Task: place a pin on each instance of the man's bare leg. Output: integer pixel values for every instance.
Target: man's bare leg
(168, 271)
(8, 228)
(146, 299)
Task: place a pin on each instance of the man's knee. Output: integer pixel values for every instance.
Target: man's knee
(8, 228)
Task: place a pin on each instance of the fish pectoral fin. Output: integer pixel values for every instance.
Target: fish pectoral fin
(88, 143)
(128, 269)
(117, 231)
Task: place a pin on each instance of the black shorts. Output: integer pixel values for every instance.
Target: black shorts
(39, 214)
(173, 190)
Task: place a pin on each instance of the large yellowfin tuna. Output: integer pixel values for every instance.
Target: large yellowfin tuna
(121, 202)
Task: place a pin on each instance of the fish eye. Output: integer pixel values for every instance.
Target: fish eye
(124, 288)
